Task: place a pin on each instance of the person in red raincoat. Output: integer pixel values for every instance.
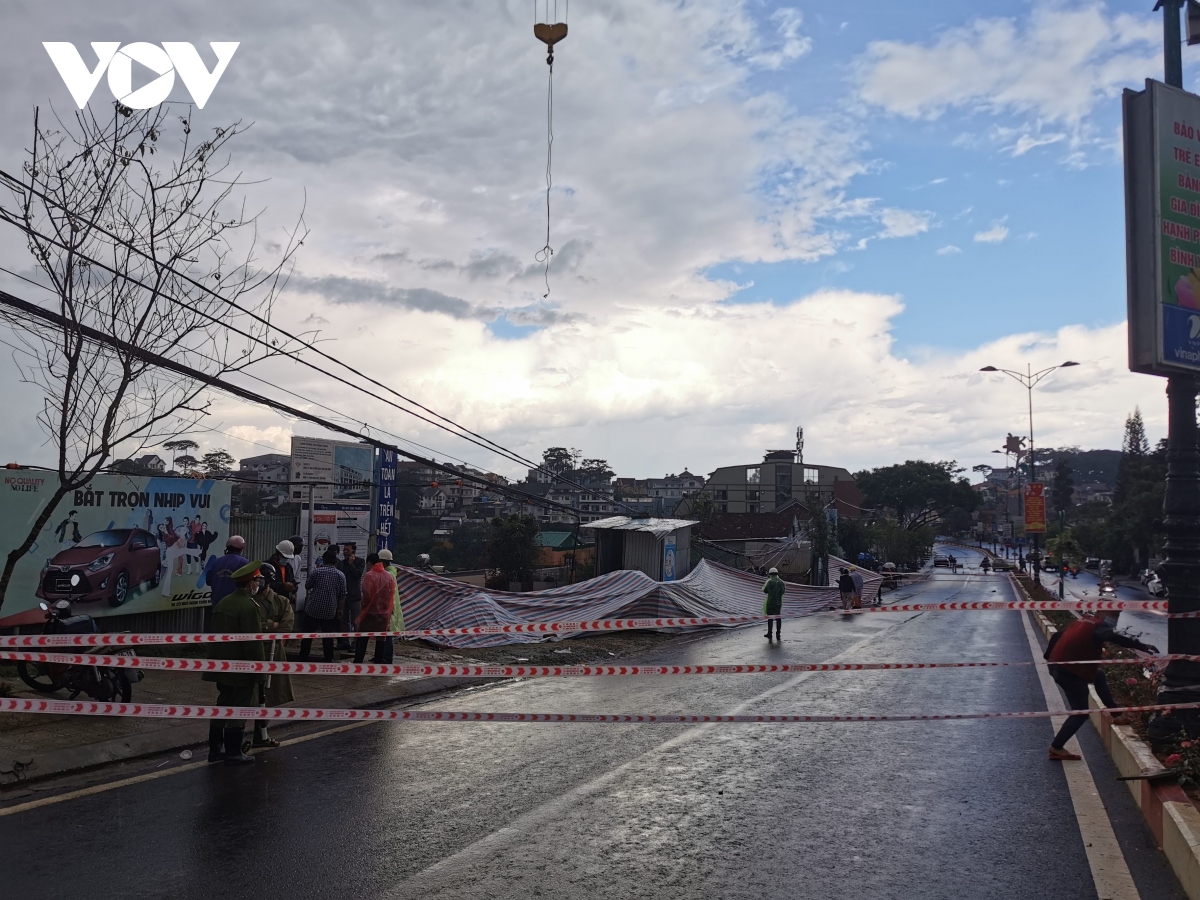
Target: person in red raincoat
(378, 594)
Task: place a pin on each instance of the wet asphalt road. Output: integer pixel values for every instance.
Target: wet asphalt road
(464, 810)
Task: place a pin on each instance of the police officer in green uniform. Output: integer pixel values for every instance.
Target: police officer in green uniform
(773, 605)
(235, 614)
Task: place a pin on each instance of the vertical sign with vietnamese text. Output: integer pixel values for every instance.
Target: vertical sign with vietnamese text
(1162, 203)
(1035, 508)
(385, 509)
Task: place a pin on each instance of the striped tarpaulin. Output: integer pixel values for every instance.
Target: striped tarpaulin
(711, 589)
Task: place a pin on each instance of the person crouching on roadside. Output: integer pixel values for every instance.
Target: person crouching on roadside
(1082, 640)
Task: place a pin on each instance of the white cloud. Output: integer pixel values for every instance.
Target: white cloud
(790, 44)
(994, 235)
(1054, 66)
(898, 223)
(654, 390)
(420, 138)
(948, 250)
(1027, 142)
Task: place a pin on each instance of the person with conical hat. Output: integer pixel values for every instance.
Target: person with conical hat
(236, 614)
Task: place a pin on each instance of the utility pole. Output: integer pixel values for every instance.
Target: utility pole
(1181, 682)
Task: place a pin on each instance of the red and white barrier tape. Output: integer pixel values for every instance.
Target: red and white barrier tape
(121, 639)
(1154, 606)
(285, 713)
(116, 639)
(172, 664)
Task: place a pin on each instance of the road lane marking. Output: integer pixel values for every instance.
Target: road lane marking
(1109, 869)
(94, 789)
(515, 830)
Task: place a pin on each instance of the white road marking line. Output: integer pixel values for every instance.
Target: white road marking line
(151, 776)
(92, 790)
(472, 856)
(1109, 869)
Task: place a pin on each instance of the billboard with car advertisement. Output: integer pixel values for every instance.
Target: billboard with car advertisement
(122, 544)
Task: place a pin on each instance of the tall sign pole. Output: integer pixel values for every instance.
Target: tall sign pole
(1162, 203)
(1181, 507)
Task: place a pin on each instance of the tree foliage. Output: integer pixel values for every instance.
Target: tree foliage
(512, 548)
(1130, 531)
(217, 463)
(559, 459)
(919, 493)
(891, 542)
(1063, 486)
(596, 470)
(178, 447)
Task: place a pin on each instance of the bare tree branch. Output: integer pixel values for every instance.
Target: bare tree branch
(125, 217)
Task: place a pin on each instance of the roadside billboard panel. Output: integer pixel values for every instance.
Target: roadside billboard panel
(122, 544)
(1162, 228)
(1035, 508)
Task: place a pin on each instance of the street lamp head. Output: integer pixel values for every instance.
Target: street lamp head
(989, 369)
(1068, 364)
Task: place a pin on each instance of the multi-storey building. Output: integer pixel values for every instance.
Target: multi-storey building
(780, 478)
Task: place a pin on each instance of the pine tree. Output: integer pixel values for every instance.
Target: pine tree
(1134, 450)
(1063, 486)
(1135, 443)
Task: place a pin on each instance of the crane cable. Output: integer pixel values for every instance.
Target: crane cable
(550, 34)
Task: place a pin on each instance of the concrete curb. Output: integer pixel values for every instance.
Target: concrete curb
(1173, 820)
(181, 734)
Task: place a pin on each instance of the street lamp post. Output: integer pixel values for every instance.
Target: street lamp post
(1029, 379)
(1007, 496)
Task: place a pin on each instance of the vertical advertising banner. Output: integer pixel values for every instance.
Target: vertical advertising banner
(122, 544)
(669, 558)
(385, 506)
(1035, 508)
(1162, 212)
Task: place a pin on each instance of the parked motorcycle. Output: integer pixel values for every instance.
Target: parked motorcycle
(101, 683)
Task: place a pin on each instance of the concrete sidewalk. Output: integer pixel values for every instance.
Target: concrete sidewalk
(35, 746)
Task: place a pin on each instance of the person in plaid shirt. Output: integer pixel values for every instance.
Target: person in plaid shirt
(325, 600)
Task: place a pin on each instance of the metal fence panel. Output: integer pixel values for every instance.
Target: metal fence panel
(262, 532)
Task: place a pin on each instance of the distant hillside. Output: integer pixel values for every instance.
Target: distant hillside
(1086, 465)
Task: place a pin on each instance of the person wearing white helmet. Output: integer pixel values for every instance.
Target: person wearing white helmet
(773, 605)
(397, 623)
(283, 559)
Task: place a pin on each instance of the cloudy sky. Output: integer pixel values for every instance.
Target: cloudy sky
(764, 216)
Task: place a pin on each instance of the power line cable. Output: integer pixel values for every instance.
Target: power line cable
(512, 456)
(35, 313)
(19, 185)
(293, 394)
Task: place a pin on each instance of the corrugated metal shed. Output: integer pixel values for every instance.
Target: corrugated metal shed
(623, 542)
(657, 527)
